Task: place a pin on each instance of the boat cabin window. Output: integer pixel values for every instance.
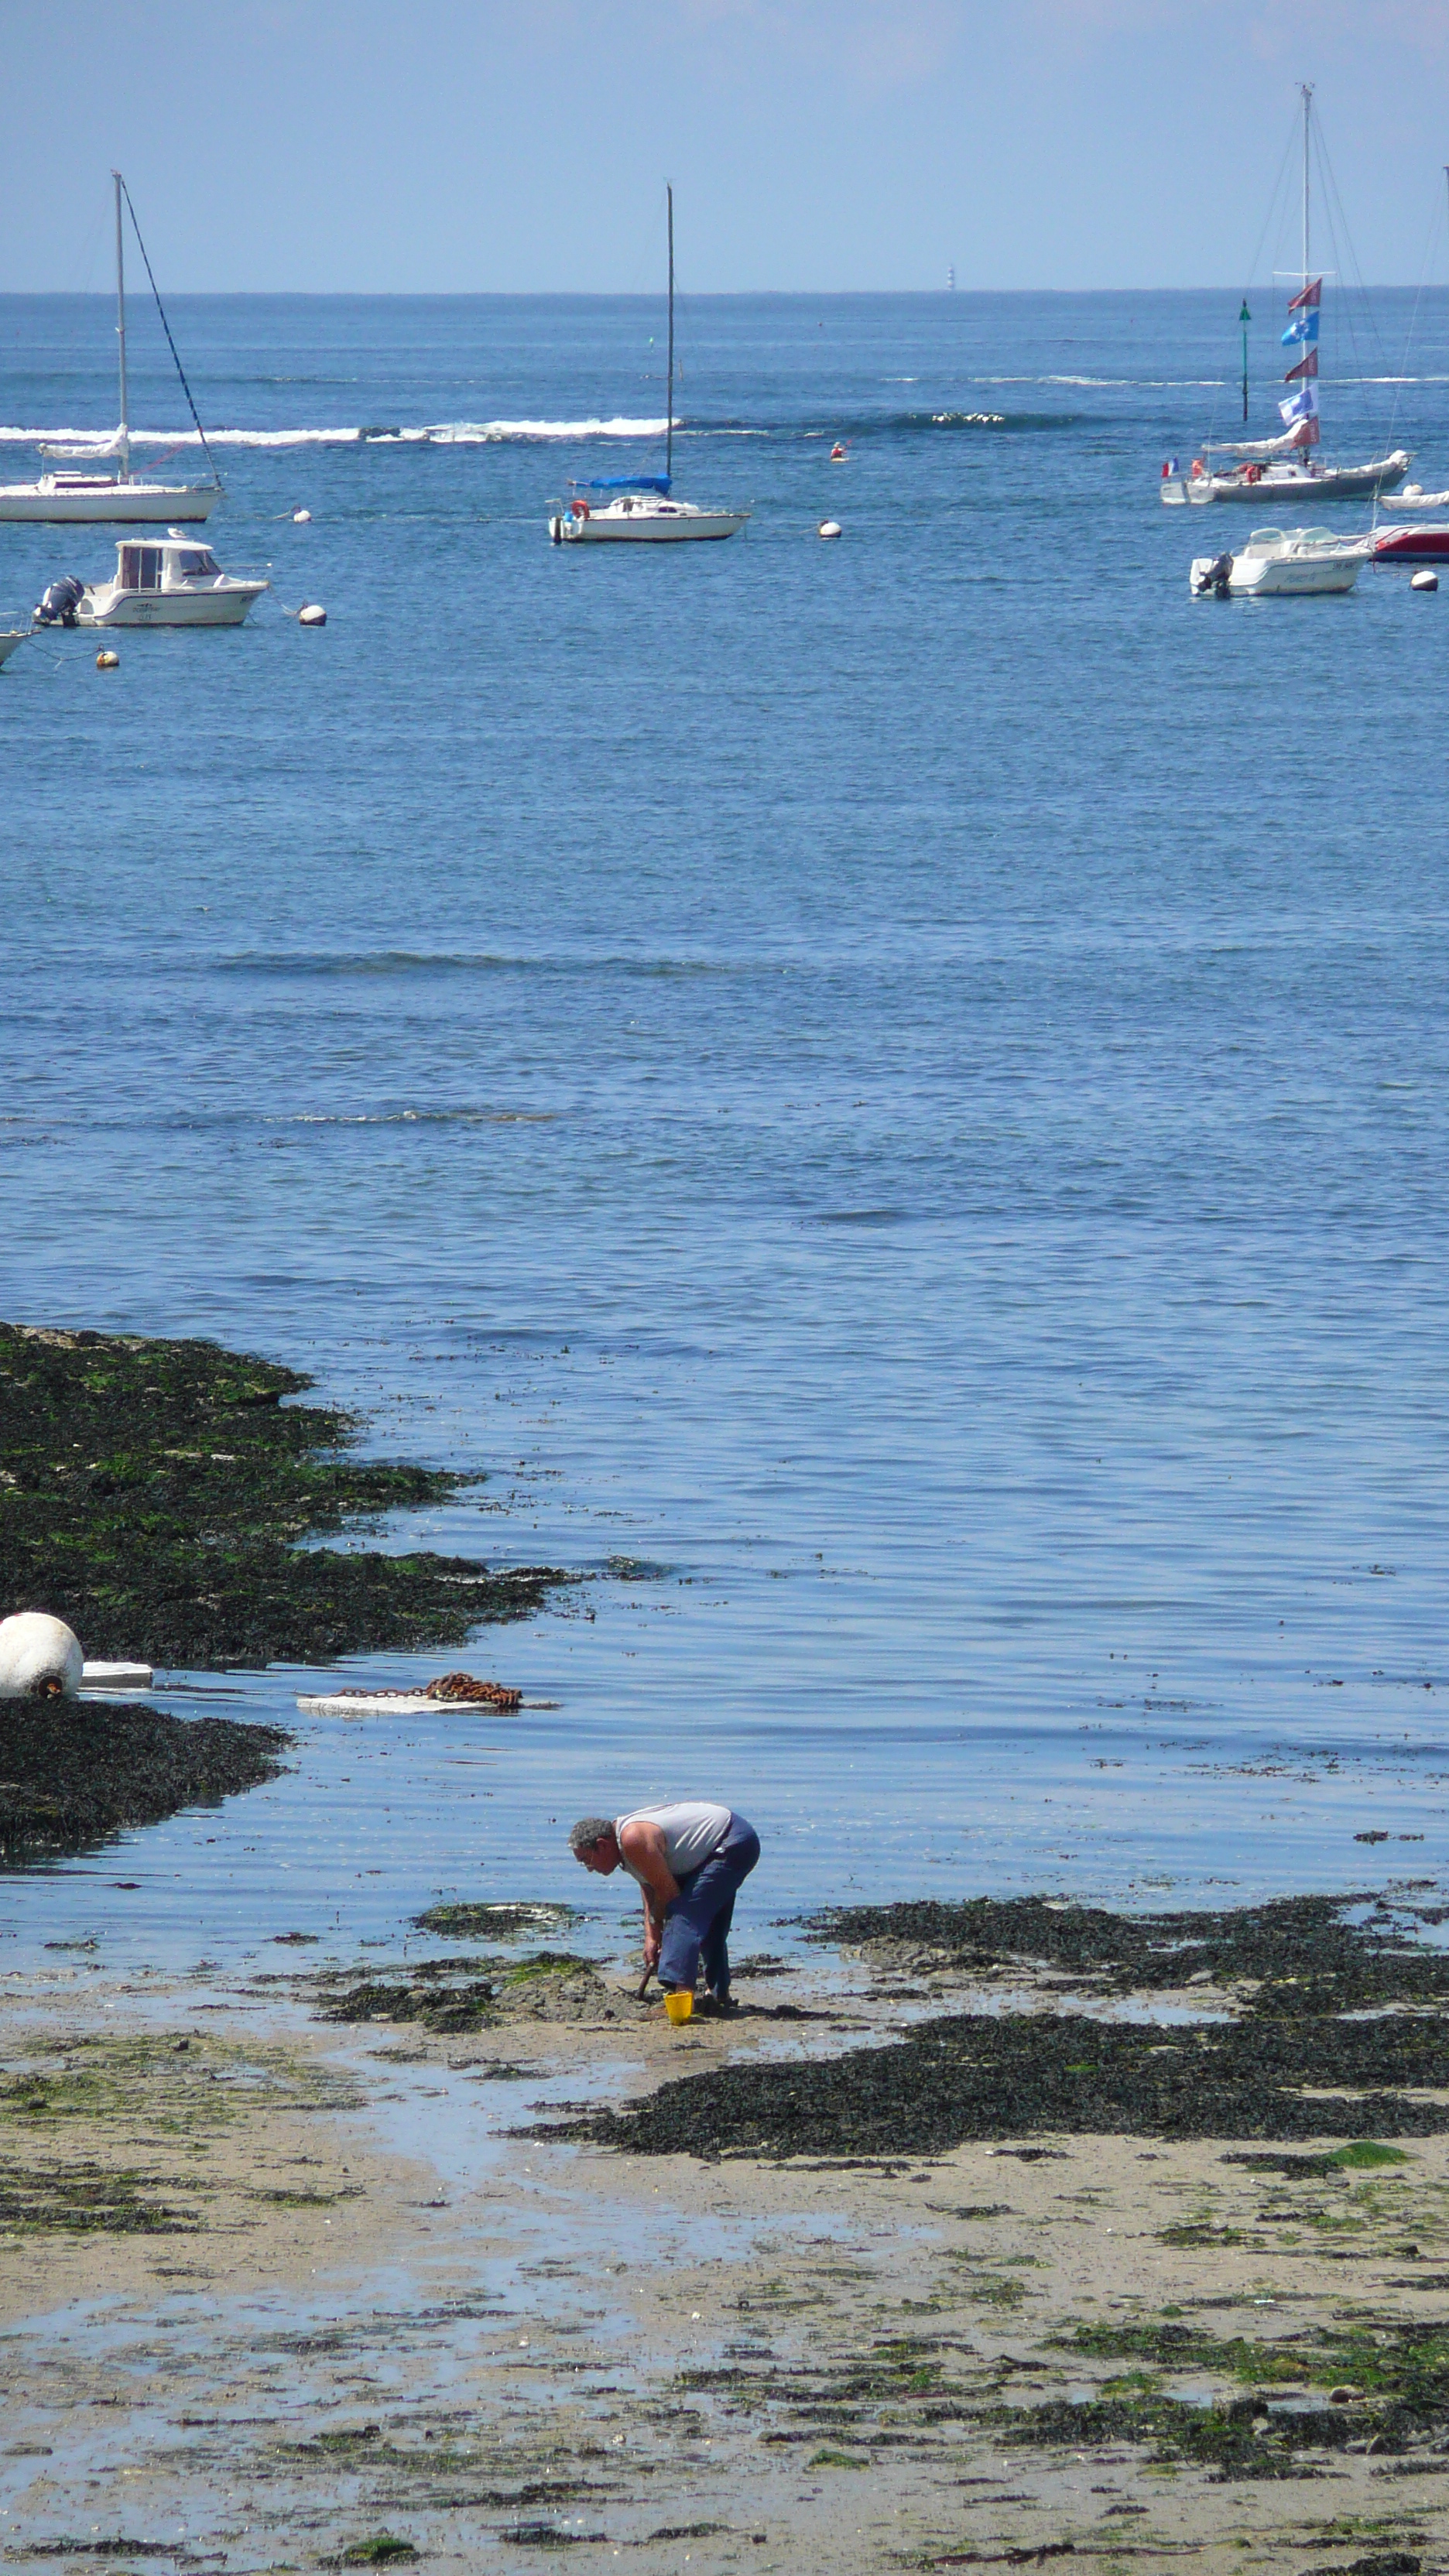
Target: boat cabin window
(140, 568)
(195, 561)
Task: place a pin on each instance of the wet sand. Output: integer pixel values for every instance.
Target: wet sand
(335, 2311)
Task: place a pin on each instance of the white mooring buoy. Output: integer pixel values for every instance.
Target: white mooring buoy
(829, 528)
(108, 661)
(301, 518)
(1424, 581)
(312, 615)
(40, 1657)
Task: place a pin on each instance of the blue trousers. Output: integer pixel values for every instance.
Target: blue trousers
(697, 1920)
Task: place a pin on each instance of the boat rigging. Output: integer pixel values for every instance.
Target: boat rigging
(1286, 467)
(64, 499)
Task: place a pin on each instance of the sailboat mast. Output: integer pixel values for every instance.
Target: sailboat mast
(669, 425)
(1307, 90)
(125, 441)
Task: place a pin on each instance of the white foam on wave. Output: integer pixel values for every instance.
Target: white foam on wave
(444, 433)
(487, 433)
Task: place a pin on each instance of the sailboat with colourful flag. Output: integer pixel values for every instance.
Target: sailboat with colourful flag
(1286, 467)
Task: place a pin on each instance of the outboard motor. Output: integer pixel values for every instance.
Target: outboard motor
(60, 602)
(1216, 577)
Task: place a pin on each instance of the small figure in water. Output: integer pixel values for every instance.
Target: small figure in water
(690, 1861)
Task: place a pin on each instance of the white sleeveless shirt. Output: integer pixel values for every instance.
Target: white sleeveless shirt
(692, 1831)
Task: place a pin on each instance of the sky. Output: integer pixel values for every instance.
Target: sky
(506, 146)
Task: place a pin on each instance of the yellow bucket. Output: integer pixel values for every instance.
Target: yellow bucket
(679, 2007)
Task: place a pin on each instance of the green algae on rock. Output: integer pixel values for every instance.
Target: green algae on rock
(39, 2200)
(516, 1922)
(74, 2115)
(460, 1992)
(155, 1494)
(74, 1771)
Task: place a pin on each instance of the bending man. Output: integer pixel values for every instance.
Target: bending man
(689, 1860)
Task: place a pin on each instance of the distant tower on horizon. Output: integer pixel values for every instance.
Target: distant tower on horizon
(950, 281)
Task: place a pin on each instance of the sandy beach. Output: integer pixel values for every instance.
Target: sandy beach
(282, 2294)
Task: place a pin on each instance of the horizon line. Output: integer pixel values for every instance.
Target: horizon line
(657, 295)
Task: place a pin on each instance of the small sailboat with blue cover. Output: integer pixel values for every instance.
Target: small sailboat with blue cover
(640, 509)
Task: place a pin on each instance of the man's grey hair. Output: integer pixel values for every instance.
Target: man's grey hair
(588, 1831)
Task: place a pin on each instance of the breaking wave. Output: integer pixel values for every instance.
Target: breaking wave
(493, 433)
(446, 433)
(969, 420)
(905, 424)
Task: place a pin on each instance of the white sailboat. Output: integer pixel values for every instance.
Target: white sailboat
(1287, 468)
(641, 511)
(63, 499)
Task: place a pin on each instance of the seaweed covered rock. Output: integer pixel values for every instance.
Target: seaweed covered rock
(458, 1993)
(1298, 2060)
(1298, 1955)
(1025, 2075)
(74, 1771)
(153, 1494)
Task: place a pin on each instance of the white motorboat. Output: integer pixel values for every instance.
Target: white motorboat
(65, 499)
(12, 642)
(641, 511)
(1285, 468)
(1282, 563)
(175, 583)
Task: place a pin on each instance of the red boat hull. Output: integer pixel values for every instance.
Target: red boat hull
(1425, 545)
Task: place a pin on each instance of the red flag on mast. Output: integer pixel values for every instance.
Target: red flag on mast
(1306, 367)
(1311, 296)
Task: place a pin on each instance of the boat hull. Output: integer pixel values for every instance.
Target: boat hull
(170, 608)
(108, 504)
(700, 527)
(1279, 483)
(1411, 545)
(1279, 576)
(11, 643)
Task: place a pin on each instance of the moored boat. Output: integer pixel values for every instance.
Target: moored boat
(1422, 543)
(1286, 467)
(1414, 498)
(642, 511)
(174, 583)
(12, 642)
(1267, 474)
(68, 500)
(1282, 563)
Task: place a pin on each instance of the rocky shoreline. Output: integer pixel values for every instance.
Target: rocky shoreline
(156, 1496)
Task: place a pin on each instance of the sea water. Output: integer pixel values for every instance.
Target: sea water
(888, 1097)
